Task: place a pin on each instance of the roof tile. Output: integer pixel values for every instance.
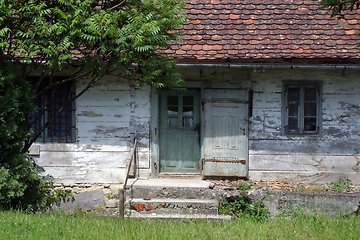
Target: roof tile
(221, 29)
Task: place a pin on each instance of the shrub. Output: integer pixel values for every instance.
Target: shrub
(20, 184)
(243, 206)
(342, 184)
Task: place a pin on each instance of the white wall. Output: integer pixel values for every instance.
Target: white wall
(112, 113)
(108, 118)
(318, 159)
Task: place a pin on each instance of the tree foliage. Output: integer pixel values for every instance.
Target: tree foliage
(92, 39)
(20, 184)
(336, 7)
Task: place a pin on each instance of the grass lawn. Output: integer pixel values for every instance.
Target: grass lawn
(17, 225)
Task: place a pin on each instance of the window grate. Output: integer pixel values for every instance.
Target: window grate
(62, 129)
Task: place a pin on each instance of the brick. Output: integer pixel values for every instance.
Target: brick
(138, 206)
(149, 207)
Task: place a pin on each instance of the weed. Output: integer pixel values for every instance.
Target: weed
(342, 184)
(112, 195)
(244, 207)
(78, 211)
(242, 186)
(61, 193)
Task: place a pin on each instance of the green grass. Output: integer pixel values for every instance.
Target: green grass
(17, 225)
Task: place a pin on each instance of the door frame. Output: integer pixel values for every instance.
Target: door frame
(155, 124)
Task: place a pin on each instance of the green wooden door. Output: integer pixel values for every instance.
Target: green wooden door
(179, 132)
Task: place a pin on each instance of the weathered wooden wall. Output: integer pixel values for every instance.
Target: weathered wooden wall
(320, 159)
(273, 156)
(110, 115)
(108, 118)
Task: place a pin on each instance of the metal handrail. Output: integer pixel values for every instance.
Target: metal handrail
(122, 197)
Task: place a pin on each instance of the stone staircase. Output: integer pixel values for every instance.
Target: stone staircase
(173, 199)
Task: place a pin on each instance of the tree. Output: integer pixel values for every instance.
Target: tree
(91, 38)
(336, 7)
(20, 184)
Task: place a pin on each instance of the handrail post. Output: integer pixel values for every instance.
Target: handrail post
(122, 197)
(122, 203)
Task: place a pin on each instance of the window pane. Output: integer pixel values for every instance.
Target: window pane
(310, 93)
(310, 124)
(172, 100)
(310, 109)
(188, 122)
(172, 111)
(294, 109)
(188, 100)
(293, 124)
(172, 121)
(188, 111)
(293, 94)
(188, 116)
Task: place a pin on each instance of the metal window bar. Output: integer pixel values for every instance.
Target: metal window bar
(122, 196)
(63, 127)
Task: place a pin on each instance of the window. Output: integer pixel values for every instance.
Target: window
(180, 109)
(62, 129)
(302, 108)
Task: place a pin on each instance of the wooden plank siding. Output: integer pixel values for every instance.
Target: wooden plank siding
(113, 112)
(108, 118)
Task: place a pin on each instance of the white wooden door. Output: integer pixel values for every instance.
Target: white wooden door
(225, 145)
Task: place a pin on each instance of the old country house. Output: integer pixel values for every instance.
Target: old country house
(273, 93)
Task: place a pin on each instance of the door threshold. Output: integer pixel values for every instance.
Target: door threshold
(179, 175)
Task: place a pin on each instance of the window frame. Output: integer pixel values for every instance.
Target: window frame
(69, 112)
(301, 115)
(180, 105)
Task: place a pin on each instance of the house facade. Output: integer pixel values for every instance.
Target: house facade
(272, 93)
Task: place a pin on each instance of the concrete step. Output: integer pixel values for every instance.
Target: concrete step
(171, 192)
(209, 217)
(167, 198)
(171, 188)
(173, 206)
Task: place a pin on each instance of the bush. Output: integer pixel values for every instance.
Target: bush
(243, 206)
(21, 186)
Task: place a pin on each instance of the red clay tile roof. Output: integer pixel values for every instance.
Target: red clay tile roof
(266, 29)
